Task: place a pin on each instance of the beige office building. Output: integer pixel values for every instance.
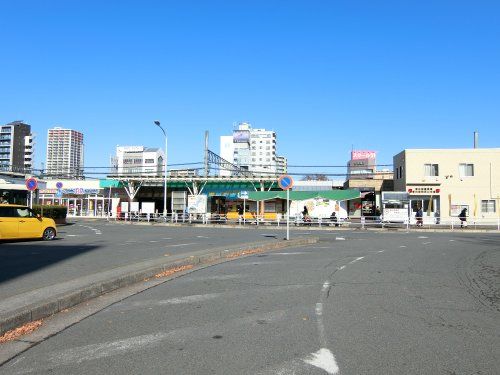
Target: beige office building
(444, 181)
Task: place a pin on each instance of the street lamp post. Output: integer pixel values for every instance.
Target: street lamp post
(157, 123)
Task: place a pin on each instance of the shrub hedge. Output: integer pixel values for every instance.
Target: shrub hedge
(54, 212)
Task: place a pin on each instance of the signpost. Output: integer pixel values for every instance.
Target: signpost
(31, 185)
(285, 182)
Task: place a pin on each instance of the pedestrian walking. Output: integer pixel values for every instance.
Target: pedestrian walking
(463, 218)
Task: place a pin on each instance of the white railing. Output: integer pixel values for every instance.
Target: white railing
(357, 222)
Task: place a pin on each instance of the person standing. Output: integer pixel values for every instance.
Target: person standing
(240, 213)
(419, 215)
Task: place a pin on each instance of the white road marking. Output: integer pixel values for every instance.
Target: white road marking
(426, 243)
(202, 237)
(402, 246)
(339, 238)
(323, 359)
(153, 241)
(326, 285)
(341, 268)
(182, 244)
(380, 251)
(72, 235)
(452, 240)
(319, 309)
(355, 260)
(320, 247)
(422, 237)
(166, 238)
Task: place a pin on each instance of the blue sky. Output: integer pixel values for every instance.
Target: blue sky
(325, 75)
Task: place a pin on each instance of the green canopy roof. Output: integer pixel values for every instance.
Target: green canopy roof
(336, 195)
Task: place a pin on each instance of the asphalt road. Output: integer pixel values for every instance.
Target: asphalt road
(355, 303)
(89, 247)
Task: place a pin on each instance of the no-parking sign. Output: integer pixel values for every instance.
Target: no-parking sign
(31, 184)
(285, 182)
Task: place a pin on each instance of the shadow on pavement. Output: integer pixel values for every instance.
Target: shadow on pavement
(20, 258)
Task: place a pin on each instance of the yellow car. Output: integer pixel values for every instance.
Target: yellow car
(17, 221)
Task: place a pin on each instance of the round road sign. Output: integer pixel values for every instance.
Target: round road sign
(285, 182)
(59, 185)
(31, 184)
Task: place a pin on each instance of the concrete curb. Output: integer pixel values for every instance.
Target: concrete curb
(47, 301)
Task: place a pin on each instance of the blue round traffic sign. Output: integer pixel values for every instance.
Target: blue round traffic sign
(59, 185)
(285, 182)
(31, 184)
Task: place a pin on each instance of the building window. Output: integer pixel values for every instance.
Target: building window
(488, 206)
(149, 161)
(466, 170)
(431, 170)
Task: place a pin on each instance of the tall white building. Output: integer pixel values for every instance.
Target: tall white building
(16, 147)
(64, 153)
(138, 160)
(253, 150)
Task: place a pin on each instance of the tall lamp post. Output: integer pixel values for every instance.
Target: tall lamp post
(157, 123)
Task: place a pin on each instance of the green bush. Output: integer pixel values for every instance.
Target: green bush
(54, 212)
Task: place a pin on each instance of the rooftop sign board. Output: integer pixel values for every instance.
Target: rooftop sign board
(363, 154)
(241, 136)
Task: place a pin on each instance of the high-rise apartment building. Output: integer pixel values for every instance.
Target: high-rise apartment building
(253, 150)
(138, 160)
(16, 147)
(64, 153)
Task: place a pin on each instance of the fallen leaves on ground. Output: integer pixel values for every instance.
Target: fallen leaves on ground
(20, 331)
(171, 271)
(244, 252)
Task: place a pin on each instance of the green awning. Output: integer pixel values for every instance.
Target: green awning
(110, 184)
(336, 195)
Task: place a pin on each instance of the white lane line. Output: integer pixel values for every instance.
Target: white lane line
(72, 235)
(339, 239)
(153, 241)
(422, 237)
(326, 285)
(402, 246)
(202, 237)
(183, 244)
(380, 251)
(426, 243)
(320, 247)
(319, 309)
(452, 240)
(355, 260)
(323, 359)
(166, 238)
(341, 268)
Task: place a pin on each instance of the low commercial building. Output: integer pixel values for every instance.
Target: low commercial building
(444, 181)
